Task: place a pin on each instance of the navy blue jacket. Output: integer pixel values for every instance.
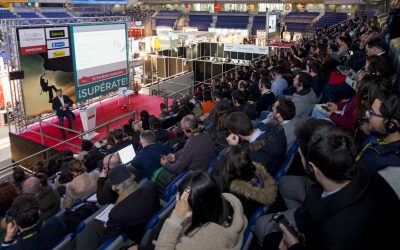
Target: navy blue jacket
(147, 160)
(378, 157)
(269, 148)
(45, 235)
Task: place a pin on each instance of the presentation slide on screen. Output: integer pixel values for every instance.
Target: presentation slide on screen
(100, 58)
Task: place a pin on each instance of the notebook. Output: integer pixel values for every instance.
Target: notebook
(103, 216)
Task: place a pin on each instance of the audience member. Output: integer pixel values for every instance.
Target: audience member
(266, 144)
(147, 160)
(135, 206)
(214, 220)
(246, 180)
(49, 200)
(26, 231)
(384, 123)
(279, 83)
(104, 193)
(283, 113)
(120, 142)
(304, 99)
(327, 154)
(82, 185)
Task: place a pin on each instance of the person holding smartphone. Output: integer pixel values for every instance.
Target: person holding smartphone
(347, 207)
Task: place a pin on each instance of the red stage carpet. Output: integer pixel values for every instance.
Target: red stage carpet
(106, 111)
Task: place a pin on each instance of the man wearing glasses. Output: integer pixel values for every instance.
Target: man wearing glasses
(384, 124)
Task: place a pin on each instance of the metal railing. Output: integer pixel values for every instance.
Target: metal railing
(6, 171)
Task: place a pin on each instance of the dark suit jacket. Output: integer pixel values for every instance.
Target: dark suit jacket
(355, 217)
(132, 214)
(56, 105)
(147, 160)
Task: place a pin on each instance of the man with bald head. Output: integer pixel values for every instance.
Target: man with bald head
(49, 200)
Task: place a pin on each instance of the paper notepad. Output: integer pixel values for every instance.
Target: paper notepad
(92, 198)
(103, 216)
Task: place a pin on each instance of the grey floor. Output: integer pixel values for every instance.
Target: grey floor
(5, 153)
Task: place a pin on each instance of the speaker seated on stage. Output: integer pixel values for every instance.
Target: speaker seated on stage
(384, 123)
(61, 105)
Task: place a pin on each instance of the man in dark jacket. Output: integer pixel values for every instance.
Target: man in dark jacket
(104, 193)
(134, 208)
(266, 144)
(384, 123)
(120, 142)
(49, 200)
(197, 152)
(61, 105)
(349, 205)
(147, 160)
(26, 231)
(218, 102)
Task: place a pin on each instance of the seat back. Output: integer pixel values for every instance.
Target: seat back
(68, 243)
(86, 232)
(288, 161)
(248, 233)
(154, 226)
(115, 243)
(171, 189)
(391, 175)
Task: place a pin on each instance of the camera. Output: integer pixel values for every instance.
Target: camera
(280, 218)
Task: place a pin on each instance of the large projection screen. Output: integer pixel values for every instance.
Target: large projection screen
(100, 58)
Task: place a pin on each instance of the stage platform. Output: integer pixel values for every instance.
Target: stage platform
(28, 143)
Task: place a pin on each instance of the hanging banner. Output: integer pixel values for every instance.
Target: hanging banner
(32, 41)
(246, 48)
(45, 72)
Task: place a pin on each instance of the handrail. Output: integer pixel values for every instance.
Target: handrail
(7, 168)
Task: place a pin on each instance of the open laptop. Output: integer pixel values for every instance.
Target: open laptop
(127, 154)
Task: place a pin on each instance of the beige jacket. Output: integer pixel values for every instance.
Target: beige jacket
(80, 187)
(209, 236)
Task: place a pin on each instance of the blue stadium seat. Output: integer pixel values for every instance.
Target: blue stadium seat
(115, 243)
(288, 160)
(68, 243)
(154, 226)
(248, 233)
(172, 188)
(86, 232)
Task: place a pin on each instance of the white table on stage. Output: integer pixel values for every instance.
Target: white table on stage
(88, 118)
(124, 91)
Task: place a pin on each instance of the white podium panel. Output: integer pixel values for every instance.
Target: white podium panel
(88, 118)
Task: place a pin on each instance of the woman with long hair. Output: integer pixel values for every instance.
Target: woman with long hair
(248, 181)
(203, 217)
